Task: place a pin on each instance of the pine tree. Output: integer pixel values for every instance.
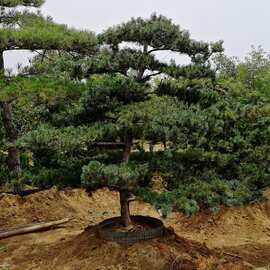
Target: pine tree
(25, 30)
(139, 105)
(122, 105)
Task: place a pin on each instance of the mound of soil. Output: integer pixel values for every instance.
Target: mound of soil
(243, 231)
(86, 209)
(87, 251)
(237, 235)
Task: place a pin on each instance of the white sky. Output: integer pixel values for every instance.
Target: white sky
(240, 23)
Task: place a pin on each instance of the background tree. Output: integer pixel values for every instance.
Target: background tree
(25, 30)
(224, 160)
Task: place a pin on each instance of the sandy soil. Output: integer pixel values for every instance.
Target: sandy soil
(222, 241)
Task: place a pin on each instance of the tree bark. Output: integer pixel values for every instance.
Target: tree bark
(128, 147)
(151, 147)
(125, 213)
(124, 193)
(2, 66)
(14, 163)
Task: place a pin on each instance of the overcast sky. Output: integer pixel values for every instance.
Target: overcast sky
(240, 23)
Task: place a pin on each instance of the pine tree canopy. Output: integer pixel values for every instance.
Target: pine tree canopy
(37, 33)
(30, 31)
(159, 33)
(130, 49)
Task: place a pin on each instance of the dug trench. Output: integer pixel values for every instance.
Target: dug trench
(234, 238)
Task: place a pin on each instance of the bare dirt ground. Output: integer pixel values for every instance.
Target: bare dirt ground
(232, 239)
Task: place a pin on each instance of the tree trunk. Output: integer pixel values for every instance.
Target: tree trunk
(127, 149)
(124, 194)
(2, 66)
(14, 163)
(151, 147)
(125, 213)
